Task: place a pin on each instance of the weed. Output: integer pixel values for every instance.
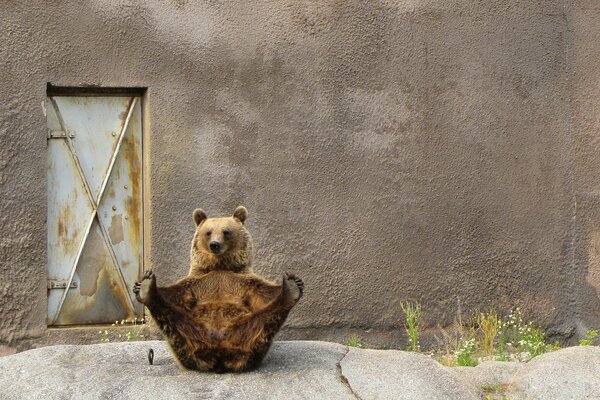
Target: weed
(526, 339)
(448, 345)
(492, 396)
(104, 336)
(496, 387)
(412, 315)
(465, 356)
(355, 341)
(135, 331)
(495, 391)
(504, 356)
(487, 336)
(590, 335)
(489, 326)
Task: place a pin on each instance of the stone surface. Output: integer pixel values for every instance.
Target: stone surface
(490, 373)
(391, 374)
(440, 150)
(572, 373)
(292, 370)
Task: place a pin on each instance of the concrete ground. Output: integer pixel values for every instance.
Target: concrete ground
(292, 370)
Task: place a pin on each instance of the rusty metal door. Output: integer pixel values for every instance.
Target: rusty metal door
(94, 208)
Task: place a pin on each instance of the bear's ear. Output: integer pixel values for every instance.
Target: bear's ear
(199, 216)
(240, 213)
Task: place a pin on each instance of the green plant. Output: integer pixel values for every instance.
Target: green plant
(412, 315)
(494, 391)
(448, 345)
(590, 335)
(491, 396)
(489, 325)
(533, 341)
(355, 341)
(134, 331)
(553, 346)
(526, 339)
(465, 356)
(495, 387)
(104, 336)
(487, 336)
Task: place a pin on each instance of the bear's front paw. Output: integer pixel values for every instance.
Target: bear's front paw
(294, 286)
(144, 288)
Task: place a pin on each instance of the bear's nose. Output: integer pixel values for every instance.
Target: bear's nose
(215, 246)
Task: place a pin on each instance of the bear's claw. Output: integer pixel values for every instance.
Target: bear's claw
(142, 288)
(294, 284)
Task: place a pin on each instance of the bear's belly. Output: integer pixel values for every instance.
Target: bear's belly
(219, 315)
(221, 308)
(220, 322)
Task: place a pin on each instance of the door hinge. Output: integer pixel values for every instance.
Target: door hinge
(61, 285)
(60, 134)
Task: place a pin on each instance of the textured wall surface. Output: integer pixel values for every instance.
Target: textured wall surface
(584, 129)
(439, 151)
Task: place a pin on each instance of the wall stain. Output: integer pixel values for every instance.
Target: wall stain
(116, 229)
(131, 153)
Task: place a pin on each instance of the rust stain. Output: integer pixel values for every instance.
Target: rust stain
(66, 233)
(123, 114)
(116, 229)
(93, 259)
(89, 279)
(119, 295)
(105, 306)
(131, 152)
(62, 230)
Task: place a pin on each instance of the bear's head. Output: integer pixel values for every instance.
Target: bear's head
(221, 243)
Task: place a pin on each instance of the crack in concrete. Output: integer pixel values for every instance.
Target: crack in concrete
(341, 376)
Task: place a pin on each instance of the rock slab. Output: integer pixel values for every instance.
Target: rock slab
(392, 374)
(292, 370)
(571, 373)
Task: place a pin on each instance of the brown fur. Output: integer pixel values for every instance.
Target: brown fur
(222, 316)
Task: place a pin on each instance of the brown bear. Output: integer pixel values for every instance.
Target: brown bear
(222, 316)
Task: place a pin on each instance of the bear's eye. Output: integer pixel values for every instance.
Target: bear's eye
(226, 233)
(208, 233)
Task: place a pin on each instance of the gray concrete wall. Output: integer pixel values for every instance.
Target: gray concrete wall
(438, 151)
(584, 128)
